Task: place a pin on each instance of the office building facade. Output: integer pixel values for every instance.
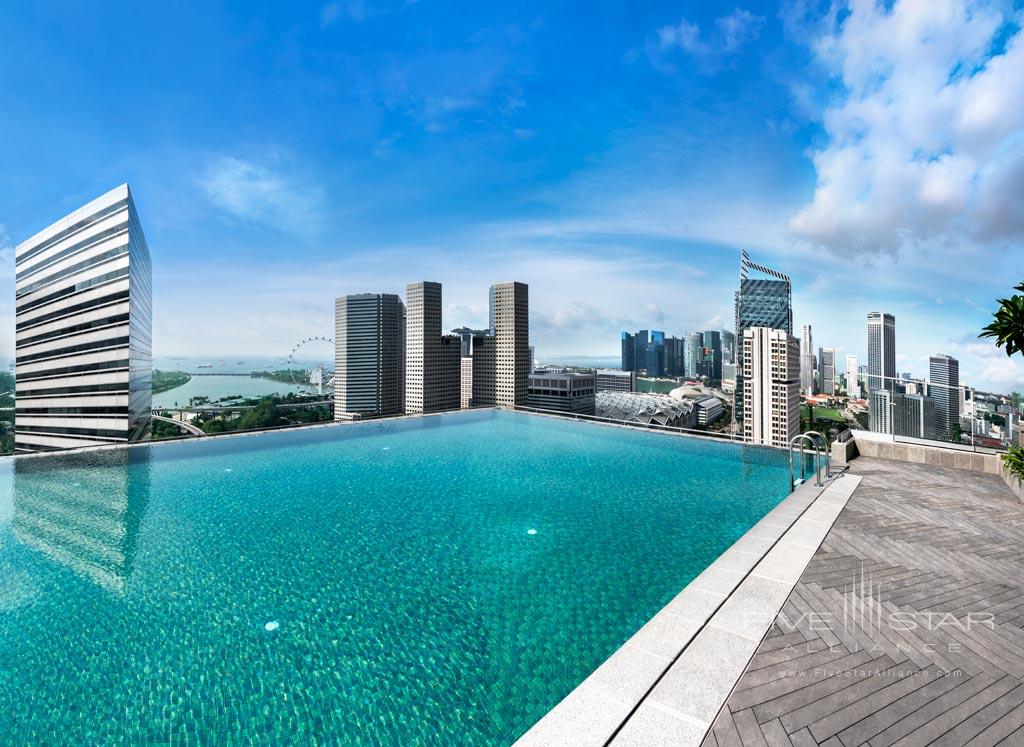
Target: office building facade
(369, 337)
(827, 371)
(913, 415)
(728, 347)
(432, 360)
(807, 382)
(944, 380)
(511, 313)
(771, 386)
(712, 340)
(562, 391)
(881, 351)
(764, 299)
(694, 355)
(708, 409)
(83, 329)
(881, 365)
(880, 410)
(614, 380)
(465, 382)
(852, 377)
(628, 352)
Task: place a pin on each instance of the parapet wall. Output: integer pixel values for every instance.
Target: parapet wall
(883, 446)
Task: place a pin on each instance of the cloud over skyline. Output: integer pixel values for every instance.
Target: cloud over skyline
(926, 138)
(615, 158)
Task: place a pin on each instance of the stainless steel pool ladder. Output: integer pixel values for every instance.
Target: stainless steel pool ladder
(798, 440)
(824, 447)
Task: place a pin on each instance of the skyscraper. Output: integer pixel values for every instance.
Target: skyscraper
(944, 377)
(654, 354)
(83, 329)
(369, 337)
(511, 313)
(852, 380)
(728, 347)
(760, 302)
(694, 355)
(628, 352)
(807, 361)
(771, 386)
(827, 371)
(675, 356)
(432, 360)
(880, 410)
(914, 416)
(881, 351)
(881, 367)
(712, 340)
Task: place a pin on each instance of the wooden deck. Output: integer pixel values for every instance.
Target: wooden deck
(906, 628)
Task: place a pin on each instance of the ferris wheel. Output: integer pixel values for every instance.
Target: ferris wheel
(311, 363)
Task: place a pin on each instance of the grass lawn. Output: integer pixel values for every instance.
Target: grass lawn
(823, 412)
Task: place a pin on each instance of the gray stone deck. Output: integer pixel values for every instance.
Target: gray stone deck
(904, 629)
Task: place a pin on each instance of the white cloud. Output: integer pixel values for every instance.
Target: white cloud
(6, 254)
(713, 50)
(926, 142)
(354, 10)
(267, 190)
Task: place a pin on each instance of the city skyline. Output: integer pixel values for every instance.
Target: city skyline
(257, 202)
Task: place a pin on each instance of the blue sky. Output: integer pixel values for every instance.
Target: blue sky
(615, 156)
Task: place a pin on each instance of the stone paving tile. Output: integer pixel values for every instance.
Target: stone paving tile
(904, 628)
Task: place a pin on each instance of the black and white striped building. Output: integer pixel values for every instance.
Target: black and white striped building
(83, 294)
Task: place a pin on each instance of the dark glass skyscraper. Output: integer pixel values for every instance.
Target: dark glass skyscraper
(713, 353)
(760, 302)
(628, 352)
(944, 375)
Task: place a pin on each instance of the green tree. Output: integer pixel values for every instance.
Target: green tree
(1007, 327)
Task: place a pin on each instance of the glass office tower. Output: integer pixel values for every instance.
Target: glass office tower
(83, 329)
(765, 301)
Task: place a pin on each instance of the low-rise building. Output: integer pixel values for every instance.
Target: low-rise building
(709, 409)
(562, 391)
(615, 380)
(646, 409)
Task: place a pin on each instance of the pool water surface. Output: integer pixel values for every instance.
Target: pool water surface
(444, 579)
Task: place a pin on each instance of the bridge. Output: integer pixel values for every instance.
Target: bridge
(184, 426)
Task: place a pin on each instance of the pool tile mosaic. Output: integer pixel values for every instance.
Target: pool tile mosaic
(428, 580)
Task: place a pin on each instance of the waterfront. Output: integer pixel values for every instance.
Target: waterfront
(222, 379)
(215, 387)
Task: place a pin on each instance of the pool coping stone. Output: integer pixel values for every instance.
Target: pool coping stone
(667, 683)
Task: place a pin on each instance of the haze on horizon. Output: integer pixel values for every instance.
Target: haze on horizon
(616, 157)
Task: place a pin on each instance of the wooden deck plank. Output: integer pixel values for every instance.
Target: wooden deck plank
(880, 642)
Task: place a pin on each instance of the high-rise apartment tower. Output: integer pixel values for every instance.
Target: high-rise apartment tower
(771, 386)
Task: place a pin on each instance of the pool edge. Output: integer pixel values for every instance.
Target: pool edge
(725, 611)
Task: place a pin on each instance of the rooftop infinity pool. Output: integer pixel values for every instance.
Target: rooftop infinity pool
(445, 579)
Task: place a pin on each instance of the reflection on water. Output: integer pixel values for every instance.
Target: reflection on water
(84, 510)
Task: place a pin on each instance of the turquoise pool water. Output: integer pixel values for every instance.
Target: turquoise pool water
(424, 581)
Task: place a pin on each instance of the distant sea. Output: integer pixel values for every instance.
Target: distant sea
(580, 361)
